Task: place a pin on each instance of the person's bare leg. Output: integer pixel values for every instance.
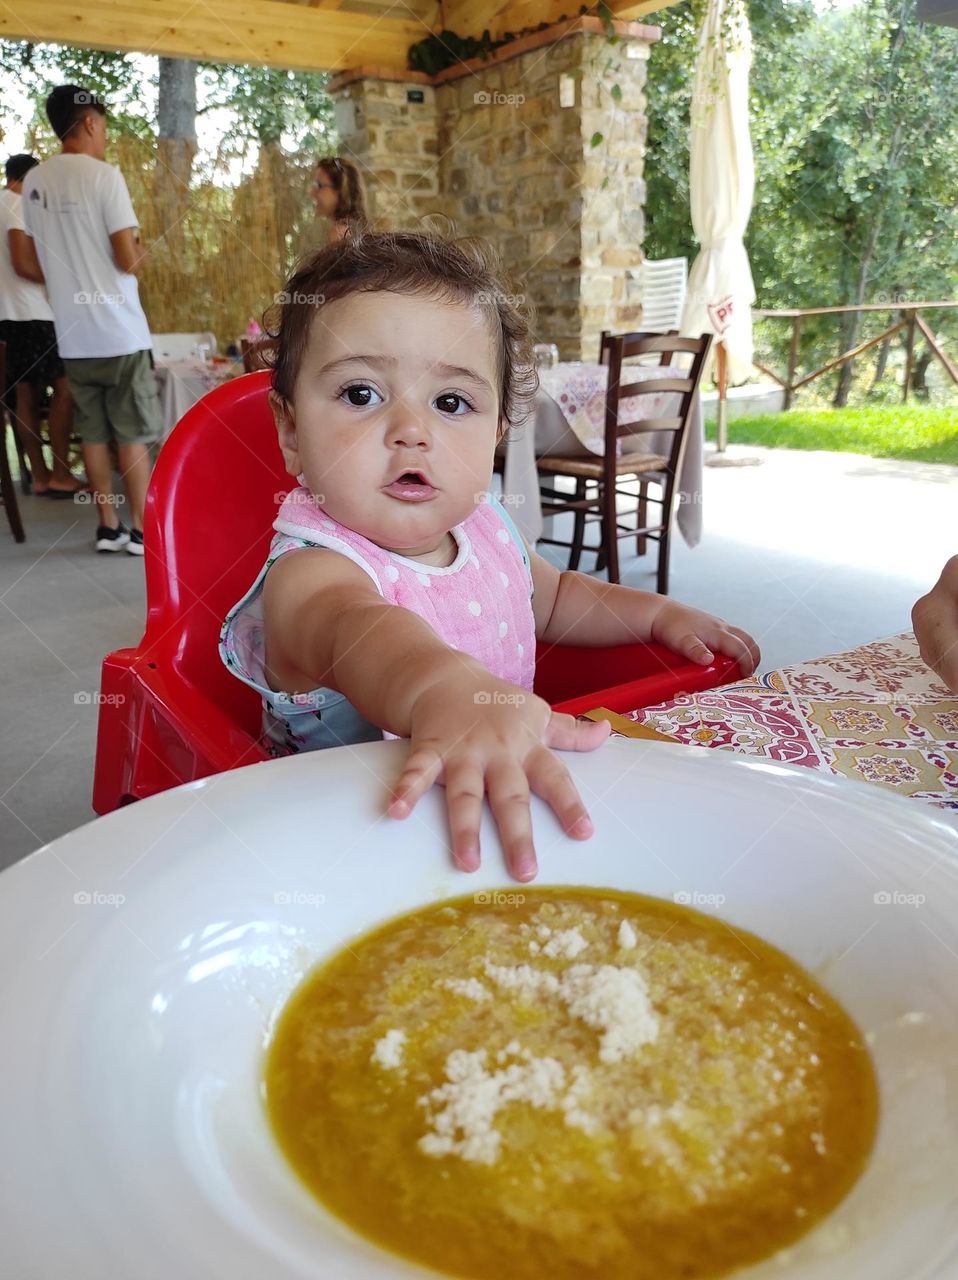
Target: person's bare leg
(99, 469)
(26, 423)
(60, 426)
(135, 467)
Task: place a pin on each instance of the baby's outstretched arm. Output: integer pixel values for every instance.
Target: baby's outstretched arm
(326, 625)
(935, 619)
(572, 608)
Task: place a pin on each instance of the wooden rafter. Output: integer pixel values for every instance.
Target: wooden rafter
(263, 32)
(471, 18)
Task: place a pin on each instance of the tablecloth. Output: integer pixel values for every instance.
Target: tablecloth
(182, 382)
(568, 417)
(876, 714)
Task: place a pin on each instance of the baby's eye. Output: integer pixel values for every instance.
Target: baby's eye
(448, 403)
(360, 395)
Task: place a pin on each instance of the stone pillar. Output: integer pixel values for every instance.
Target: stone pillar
(389, 128)
(504, 148)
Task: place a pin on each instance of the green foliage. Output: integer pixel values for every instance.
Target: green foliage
(856, 157)
(266, 105)
(910, 432)
(38, 68)
(270, 105)
(447, 48)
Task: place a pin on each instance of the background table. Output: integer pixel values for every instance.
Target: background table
(568, 417)
(876, 714)
(182, 382)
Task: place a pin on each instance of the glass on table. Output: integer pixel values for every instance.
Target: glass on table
(202, 352)
(546, 355)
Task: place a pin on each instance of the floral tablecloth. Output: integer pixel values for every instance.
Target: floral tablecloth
(568, 418)
(579, 388)
(876, 714)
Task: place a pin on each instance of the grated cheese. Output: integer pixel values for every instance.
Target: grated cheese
(565, 943)
(388, 1051)
(465, 1107)
(471, 988)
(627, 936)
(522, 979)
(614, 1001)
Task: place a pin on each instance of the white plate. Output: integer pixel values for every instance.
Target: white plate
(133, 1139)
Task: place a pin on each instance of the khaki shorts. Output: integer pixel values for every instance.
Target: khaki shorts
(116, 398)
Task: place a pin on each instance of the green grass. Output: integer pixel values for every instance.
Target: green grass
(912, 432)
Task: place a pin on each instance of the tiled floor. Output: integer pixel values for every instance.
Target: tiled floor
(813, 553)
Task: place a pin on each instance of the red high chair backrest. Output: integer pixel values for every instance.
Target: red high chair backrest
(213, 497)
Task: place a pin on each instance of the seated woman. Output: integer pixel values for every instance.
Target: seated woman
(339, 195)
(935, 619)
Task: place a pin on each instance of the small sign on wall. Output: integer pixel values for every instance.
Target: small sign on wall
(345, 113)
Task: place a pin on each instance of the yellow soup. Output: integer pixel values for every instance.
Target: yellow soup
(568, 1083)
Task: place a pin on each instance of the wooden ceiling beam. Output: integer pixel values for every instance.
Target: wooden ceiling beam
(472, 17)
(263, 32)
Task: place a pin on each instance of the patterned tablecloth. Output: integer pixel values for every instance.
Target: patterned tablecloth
(568, 418)
(579, 389)
(876, 714)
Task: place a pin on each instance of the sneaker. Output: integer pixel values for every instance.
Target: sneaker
(108, 539)
(135, 545)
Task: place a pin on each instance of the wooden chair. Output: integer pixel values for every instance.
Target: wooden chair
(604, 347)
(256, 354)
(606, 474)
(8, 491)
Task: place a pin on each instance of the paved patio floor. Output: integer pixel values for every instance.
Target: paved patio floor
(812, 552)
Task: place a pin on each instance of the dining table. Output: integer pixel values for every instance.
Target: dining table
(182, 382)
(567, 417)
(876, 714)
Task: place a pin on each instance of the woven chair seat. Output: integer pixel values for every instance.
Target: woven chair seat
(592, 469)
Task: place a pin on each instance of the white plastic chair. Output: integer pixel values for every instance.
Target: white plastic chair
(663, 286)
(179, 346)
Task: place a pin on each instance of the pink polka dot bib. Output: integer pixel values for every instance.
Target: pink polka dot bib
(480, 604)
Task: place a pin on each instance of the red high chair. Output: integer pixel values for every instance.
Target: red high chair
(170, 712)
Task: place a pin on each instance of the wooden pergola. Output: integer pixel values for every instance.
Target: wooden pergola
(318, 35)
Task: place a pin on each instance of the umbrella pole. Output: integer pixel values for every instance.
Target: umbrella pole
(722, 427)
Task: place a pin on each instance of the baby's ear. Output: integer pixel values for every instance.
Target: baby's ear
(282, 412)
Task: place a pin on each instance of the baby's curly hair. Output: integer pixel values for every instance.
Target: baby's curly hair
(423, 263)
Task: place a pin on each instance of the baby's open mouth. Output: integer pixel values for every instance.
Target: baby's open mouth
(411, 486)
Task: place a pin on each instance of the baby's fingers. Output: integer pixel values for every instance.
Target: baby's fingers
(508, 790)
(465, 789)
(692, 647)
(746, 650)
(565, 733)
(549, 779)
(422, 768)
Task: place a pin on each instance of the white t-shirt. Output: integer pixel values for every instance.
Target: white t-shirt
(72, 204)
(19, 299)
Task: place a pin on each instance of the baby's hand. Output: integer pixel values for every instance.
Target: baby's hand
(476, 734)
(700, 637)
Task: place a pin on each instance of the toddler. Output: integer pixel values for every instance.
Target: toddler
(398, 598)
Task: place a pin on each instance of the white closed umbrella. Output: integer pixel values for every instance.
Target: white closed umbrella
(721, 187)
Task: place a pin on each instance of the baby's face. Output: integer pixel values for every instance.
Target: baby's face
(395, 416)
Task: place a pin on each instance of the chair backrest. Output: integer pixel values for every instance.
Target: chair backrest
(605, 343)
(218, 480)
(179, 346)
(682, 382)
(662, 285)
(256, 353)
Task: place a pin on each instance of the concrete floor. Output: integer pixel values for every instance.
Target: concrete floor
(812, 552)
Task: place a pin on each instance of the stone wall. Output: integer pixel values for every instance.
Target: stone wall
(504, 149)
